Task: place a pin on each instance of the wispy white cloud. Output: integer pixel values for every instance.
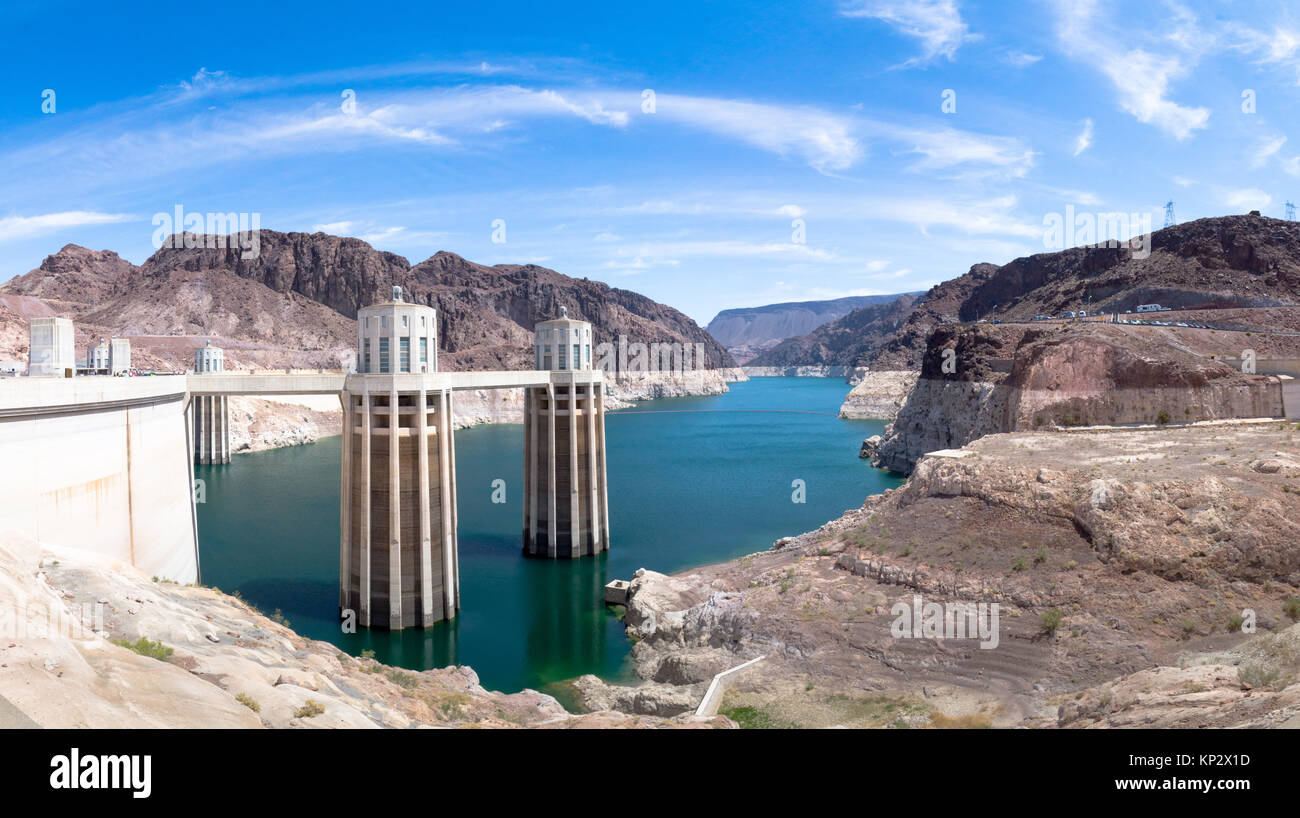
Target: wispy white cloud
(1275, 49)
(650, 253)
(824, 140)
(936, 23)
(1141, 77)
(337, 228)
(944, 149)
(993, 216)
(22, 227)
(1020, 59)
(1084, 140)
(1247, 199)
(1266, 149)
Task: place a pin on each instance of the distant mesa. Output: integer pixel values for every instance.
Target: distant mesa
(748, 331)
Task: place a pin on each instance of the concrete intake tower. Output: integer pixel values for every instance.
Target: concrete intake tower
(211, 412)
(566, 504)
(398, 564)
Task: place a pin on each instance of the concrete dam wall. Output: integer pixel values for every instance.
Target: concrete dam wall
(103, 465)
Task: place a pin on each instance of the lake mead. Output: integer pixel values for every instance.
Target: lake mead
(692, 481)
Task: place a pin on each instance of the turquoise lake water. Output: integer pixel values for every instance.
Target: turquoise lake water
(692, 481)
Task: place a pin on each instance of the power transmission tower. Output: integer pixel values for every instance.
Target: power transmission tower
(1169, 214)
(1290, 212)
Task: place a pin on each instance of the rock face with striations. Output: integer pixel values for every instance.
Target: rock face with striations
(1002, 379)
(879, 395)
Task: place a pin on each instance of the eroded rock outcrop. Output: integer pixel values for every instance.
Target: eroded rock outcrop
(73, 656)
(979, 380)
(1108, 552)
(879, 394)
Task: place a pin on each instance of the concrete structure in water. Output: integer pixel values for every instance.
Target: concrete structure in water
(566, 505)
(104, 464)
(211, 412)
(398, 556)
(52, 351)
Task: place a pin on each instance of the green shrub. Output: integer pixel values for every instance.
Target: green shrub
(1052, 620)
(1292, 608)
(1257, 674)
(403, 679)
(1019, 564)
(249, 702)
(1040, 556)
(146, 647)
(1235, 622)
(310, 709)
(1162, 418)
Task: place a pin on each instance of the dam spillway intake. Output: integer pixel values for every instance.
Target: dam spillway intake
(566, 502)
(398, 550)
(211, 413)
(398, 556)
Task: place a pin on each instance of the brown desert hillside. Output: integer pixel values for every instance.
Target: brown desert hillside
(1214, 264)
(294, 304)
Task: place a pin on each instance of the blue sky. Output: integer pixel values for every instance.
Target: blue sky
(795, 151)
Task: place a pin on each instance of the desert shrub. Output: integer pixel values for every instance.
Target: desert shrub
(1052, 620)
(310, 709)
(249, 702)
(1292, 608)
(146, 647)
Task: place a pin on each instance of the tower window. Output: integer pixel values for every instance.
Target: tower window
(404, 344)
(383, 355)
(366, 350)
(424, 349)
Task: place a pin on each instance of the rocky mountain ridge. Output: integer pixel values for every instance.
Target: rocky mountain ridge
(301, 293)
(1222, 262)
